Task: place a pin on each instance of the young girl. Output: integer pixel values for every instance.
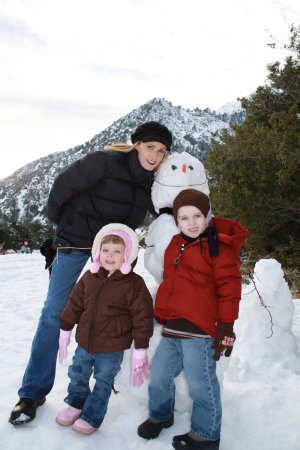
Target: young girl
(197, 303)
(112, 307)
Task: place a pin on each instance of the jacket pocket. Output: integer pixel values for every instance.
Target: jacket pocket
(121, 326)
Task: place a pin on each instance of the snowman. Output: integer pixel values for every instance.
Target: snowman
(178, 172)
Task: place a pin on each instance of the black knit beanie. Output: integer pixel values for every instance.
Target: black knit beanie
(191, 197)
(152, 131)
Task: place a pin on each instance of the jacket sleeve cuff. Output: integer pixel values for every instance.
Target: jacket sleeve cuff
(228, 312)
(67, 326)
(141, 344)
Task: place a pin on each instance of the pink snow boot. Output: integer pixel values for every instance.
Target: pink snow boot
(67, 416)
(83, 427)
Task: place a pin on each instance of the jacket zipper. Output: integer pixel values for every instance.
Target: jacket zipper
(175, 265)
(172, 287)
(96, 304)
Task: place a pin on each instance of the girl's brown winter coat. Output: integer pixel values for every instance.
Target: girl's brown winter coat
(110, 312)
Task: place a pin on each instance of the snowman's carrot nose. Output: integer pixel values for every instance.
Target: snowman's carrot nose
(183, 168)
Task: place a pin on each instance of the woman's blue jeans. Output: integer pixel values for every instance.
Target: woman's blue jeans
(195, 358)
(39, 376)
(93, 403)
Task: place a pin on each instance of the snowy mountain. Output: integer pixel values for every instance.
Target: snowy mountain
(230, 108)
(23, 195)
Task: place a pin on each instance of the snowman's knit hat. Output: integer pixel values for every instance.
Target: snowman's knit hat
(192, 197)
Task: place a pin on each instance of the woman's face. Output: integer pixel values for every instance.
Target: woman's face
(150, 154)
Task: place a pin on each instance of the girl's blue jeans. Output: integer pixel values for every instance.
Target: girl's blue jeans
(39, 376)
(195, 358)
(93, 403)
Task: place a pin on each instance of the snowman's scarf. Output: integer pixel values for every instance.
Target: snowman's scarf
(165, 210)
(212, 240)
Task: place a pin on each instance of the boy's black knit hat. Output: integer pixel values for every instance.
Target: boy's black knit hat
(191, 197)
(152, 131)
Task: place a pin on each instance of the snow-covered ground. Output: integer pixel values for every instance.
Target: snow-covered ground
(260, 383)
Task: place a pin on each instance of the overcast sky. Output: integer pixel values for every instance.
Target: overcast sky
(69, 68)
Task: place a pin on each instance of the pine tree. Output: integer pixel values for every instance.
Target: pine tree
(15, 233)
(255, 168)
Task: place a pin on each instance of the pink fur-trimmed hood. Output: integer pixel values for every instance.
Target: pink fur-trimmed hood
(130, 239)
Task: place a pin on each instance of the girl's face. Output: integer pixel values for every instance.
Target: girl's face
(191, 221)
(150, 154)
(112, 256)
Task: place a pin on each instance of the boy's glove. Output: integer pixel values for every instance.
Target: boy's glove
(64, 341)
(140, 367)
(224, 340)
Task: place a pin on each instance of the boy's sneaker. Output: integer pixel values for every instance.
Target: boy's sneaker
(67, 416)
(83, 427)
(25, 411)
(150, 429)
(186, 442)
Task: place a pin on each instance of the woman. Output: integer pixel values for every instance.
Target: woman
(103, 187)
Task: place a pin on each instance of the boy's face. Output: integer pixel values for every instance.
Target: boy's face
(112, 256)
(191, 221)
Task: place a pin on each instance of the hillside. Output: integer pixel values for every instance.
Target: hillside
(23, 195)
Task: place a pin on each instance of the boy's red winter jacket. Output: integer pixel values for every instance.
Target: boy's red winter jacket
(202, 289)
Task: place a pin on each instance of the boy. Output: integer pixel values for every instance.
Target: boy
(197, 304)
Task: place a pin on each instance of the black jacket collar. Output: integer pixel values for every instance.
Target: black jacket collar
(138, 173)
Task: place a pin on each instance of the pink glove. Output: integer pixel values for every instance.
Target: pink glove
(64, 341)
(140, 367)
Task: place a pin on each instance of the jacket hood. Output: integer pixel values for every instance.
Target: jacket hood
(130, 239)
(230, 232)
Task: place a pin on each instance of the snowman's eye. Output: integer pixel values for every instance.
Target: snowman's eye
(173, 167)
(191, 167)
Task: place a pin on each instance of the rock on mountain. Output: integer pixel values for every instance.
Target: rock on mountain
(24, 194)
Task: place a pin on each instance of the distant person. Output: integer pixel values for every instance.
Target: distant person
(25, 247)
(197, 304)
(103, 187)
(112, 307)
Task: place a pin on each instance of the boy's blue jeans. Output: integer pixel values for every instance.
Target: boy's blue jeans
(195, 357)
(93, 404)
(40, 373)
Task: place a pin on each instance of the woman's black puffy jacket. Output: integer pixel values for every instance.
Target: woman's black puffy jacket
(101, 188)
